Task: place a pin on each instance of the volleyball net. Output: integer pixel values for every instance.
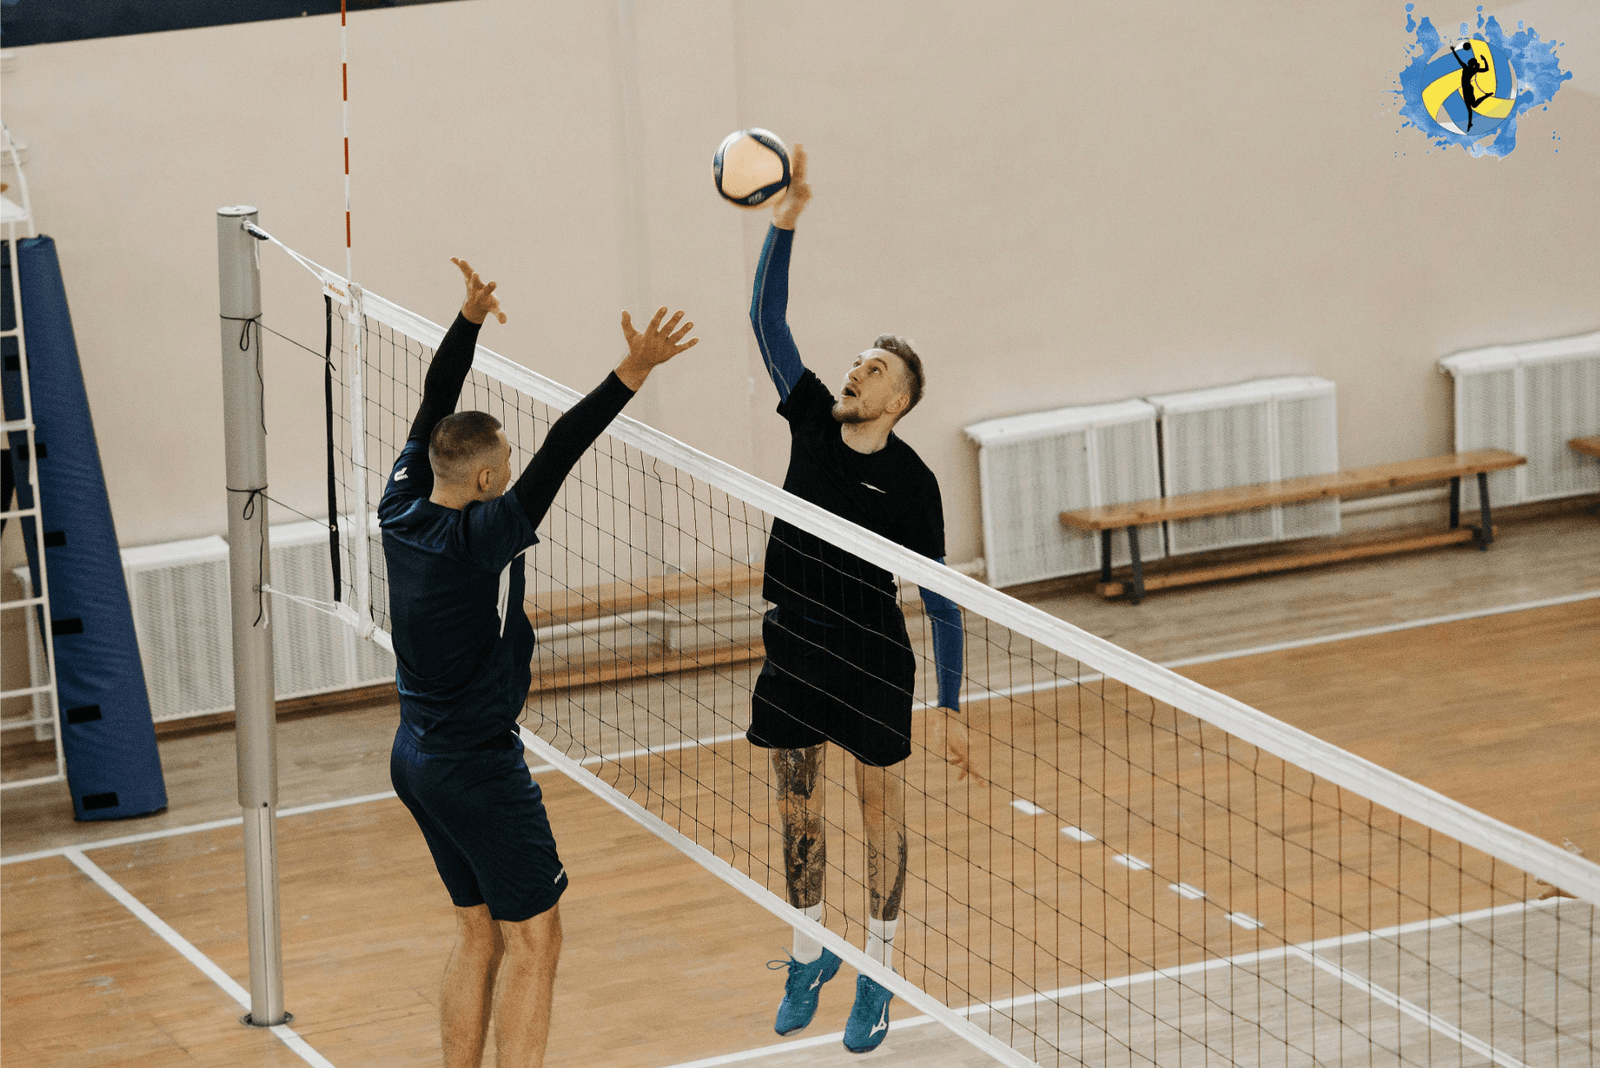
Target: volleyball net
(1155, 873)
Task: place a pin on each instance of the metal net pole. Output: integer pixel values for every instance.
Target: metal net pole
(239, 282)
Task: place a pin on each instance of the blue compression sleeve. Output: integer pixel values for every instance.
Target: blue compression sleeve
(768, 305)
(945, 616)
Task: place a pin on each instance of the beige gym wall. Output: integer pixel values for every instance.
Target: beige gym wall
(1061, 203)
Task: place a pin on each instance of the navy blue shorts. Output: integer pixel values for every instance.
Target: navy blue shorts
(849, 685)
(484, 820)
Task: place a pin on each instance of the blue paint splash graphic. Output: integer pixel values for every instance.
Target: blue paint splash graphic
(1538, 73)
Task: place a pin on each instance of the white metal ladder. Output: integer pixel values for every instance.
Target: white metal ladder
(44, 718)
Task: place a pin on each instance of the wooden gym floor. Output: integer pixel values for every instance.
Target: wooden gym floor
(663, 963)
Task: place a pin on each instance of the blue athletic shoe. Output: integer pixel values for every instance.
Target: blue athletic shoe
(801, 989)
(869, 1018)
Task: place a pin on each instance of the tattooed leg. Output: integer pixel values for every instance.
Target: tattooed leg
(883, 812)
(805, 854)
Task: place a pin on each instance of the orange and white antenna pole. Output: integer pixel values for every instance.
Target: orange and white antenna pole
(361, 592)
(344, 77)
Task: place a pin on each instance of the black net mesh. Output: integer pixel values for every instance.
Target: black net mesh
(1132, 885)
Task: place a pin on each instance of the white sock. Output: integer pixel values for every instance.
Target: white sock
(880, 940)
(806, 948)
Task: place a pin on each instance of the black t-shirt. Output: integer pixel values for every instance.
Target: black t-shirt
(890, 492)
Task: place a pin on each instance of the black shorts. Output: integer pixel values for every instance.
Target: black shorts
(847, 684)
(484, 820)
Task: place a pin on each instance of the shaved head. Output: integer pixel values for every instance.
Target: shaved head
(462, 445)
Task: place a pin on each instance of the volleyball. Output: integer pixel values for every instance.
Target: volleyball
(1491, 82)
(750, 167)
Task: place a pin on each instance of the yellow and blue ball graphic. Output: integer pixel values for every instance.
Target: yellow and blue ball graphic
(1470, 88)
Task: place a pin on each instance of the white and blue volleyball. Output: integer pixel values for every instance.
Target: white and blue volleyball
(751, 167)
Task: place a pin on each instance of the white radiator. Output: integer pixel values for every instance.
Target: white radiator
(1034, 467)
(1531, 400)
(179, 593)
(1243, 434)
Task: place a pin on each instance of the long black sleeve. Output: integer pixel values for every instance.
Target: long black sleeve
(446, 374)
(568, 439)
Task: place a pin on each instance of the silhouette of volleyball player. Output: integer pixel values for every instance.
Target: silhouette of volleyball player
(1470, 71)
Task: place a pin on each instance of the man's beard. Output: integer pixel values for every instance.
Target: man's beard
(844, 415)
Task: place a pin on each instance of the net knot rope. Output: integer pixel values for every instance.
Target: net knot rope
(249, 512)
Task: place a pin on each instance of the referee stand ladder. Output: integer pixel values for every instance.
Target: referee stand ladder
(16, 216)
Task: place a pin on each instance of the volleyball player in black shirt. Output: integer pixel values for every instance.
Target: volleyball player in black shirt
(453, 539)
(839, 663)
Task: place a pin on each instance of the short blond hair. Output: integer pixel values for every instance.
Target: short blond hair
(902, 348)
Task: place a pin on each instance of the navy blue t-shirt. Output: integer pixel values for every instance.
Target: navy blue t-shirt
(463, 644)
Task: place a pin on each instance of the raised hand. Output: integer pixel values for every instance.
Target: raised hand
(481, 301)
(786, 211)
(950, 737)
(653, 346)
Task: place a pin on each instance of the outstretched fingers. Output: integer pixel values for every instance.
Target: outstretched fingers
(661, 340)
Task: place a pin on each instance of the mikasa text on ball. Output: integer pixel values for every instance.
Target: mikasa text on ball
(751, 167)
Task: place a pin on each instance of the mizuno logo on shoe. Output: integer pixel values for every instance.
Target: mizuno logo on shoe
(815, 982)
(400, 475)
(883, 1021)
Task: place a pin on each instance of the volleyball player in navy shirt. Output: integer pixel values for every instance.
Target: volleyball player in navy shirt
(453, 539)
(839, 663)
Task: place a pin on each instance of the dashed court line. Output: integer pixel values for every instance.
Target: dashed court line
(1302, 951)
(1372, 990)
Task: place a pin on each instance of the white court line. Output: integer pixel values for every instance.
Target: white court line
(1410, 1008)
(976, 695)
(191, 828)
(238, 993)
(1389, 628)
(1278, 647)
(1145, 978)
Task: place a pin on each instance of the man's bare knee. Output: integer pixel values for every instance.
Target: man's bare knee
(881, 792)
(477, 934)
(534, 939)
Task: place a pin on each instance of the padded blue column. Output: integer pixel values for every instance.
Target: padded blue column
(113, 765)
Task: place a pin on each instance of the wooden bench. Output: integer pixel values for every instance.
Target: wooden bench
(616, 600)
(1378, 479)
(1587, 446)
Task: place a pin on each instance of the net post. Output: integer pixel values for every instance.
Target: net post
(361, 537)
(239, 286)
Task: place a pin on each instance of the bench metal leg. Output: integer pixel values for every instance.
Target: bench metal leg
(1455, 502)
(1486, 535)
(1105, 555)
(1138, 569)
